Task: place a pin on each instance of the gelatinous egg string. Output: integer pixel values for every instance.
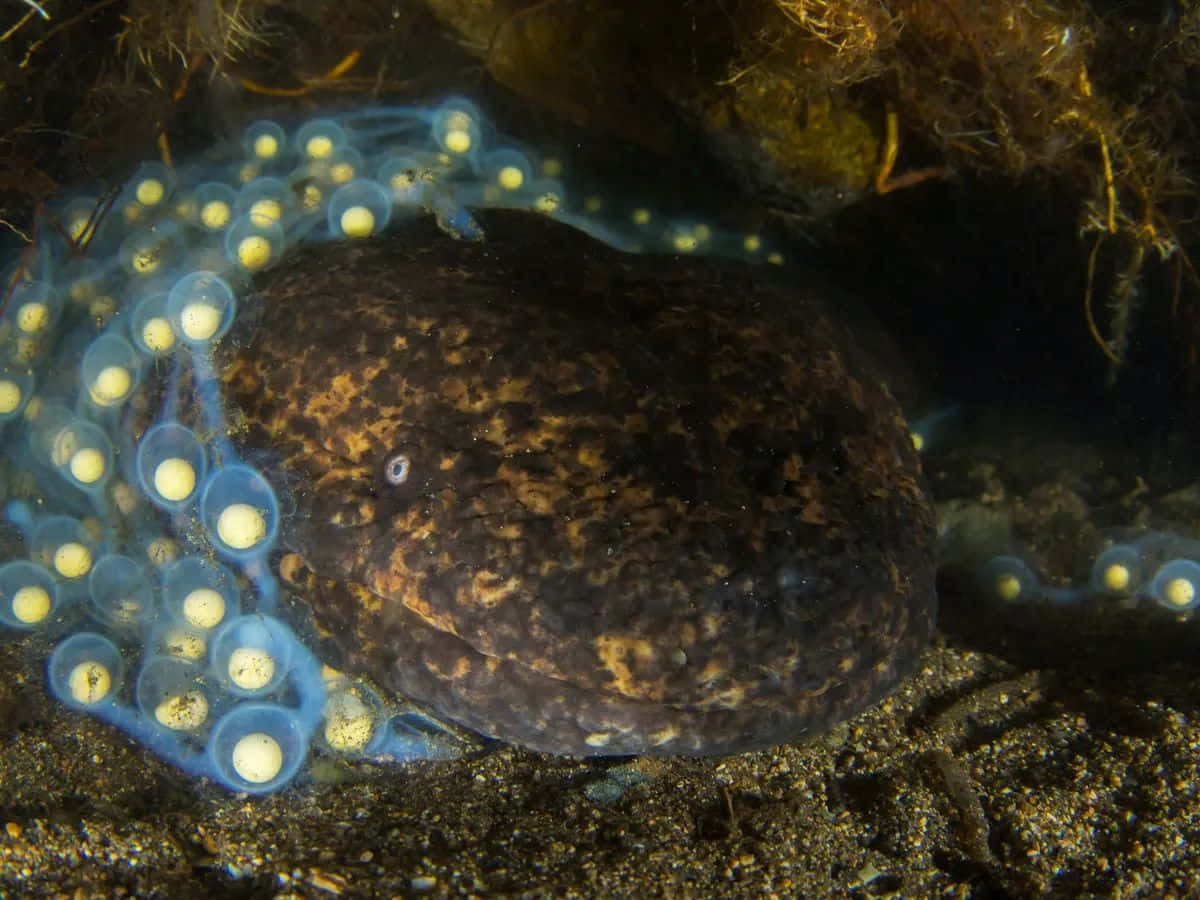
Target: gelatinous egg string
(1156, 569)
(147, 534)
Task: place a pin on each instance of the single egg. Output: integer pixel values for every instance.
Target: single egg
(31, 604)
(204, 608)
(251, 668)
(183, 712)
(89, 682)
(241, 526)
(257, 757)
(72, 560)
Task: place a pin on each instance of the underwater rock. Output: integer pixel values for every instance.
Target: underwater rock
(584, 502)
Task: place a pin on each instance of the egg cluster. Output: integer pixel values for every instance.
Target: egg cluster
(1157, 568)
(146, 546)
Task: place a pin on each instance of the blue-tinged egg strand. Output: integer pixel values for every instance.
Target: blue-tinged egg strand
(1158, 571)
(148, 559)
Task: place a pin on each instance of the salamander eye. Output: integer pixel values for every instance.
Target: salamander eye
(396, 469)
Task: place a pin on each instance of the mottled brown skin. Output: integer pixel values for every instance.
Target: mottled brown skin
(654, 505)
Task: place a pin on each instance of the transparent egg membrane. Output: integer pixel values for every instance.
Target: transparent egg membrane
(146, 548)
